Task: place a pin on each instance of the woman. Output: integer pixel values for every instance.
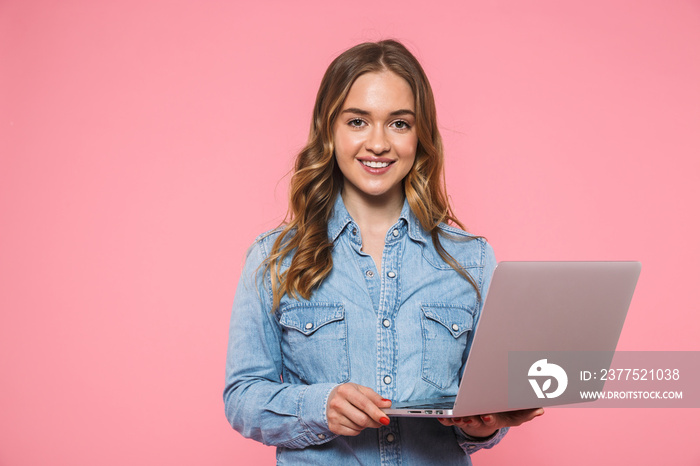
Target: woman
(366, 295)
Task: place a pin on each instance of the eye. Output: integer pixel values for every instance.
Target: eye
(356, 123)
(401, 125)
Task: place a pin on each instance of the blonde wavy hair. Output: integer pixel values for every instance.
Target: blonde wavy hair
(317, 180)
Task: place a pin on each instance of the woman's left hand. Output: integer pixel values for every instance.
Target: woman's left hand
(486, 424)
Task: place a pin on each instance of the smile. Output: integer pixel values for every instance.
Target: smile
(375, 164)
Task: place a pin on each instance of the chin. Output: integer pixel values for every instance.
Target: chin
(378, 193)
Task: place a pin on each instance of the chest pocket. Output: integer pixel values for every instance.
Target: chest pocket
(445, 330)
(315, 342)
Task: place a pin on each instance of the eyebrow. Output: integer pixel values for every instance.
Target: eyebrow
(359, 111)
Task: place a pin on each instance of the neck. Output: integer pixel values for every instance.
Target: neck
(373, 214)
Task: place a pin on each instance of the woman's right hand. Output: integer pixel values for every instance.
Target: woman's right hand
(351, 408)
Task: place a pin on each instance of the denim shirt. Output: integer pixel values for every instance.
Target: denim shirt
(404, 331)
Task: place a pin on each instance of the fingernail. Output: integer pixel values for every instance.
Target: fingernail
(385, 421)
(385, 399)
(486, 418)
(468, 422)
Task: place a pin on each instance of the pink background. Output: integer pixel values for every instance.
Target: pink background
(144, 145)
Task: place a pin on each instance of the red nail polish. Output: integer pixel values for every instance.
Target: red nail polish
(486, 418)
(384, 399)
(385, 421)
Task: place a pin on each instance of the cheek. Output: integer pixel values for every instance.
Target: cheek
(346, 145)
(406, 147)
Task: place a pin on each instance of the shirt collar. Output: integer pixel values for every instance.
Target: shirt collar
(415, 230)
(340, 218)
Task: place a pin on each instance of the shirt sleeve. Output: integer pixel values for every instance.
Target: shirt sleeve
(471, 444)
(257, 403)
(483, 280)
(488, 267)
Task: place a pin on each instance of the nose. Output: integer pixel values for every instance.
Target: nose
(377, 141)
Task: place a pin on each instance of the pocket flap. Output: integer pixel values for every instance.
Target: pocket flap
(307, 318)
(456, 319)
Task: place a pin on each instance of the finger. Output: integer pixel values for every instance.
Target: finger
(362, 420)
(374, 397)
(364, 400)
(468, 421)
(346, 419)
(457, 421)
(445, 421)
(343, 417)
(356, 421)
(510, 418)
(345, 430)
(526, 415)
(357, 408)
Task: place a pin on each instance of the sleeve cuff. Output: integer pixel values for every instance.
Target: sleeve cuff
(472, 444)
(311, 412)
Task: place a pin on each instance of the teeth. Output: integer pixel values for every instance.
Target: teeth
(375, 164)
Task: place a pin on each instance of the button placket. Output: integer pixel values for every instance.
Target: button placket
(387, 338)
(389, 299)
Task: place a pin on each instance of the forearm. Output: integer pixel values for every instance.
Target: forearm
(280, 414)
(257, 403)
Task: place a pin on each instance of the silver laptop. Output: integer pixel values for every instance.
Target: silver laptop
(540, 322)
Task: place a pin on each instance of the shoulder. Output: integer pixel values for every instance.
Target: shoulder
(264, 241)
(263, 244)
(468, 249)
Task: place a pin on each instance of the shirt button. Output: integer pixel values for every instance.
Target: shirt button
(354, 231)
(369, 274)
(321, 436)
(395, 232)
(390, 438)
(309, 326)
(387, 379)
(455, 327)
(391, 274)
(386, 323)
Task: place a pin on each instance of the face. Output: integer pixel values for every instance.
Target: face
(375, 137)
